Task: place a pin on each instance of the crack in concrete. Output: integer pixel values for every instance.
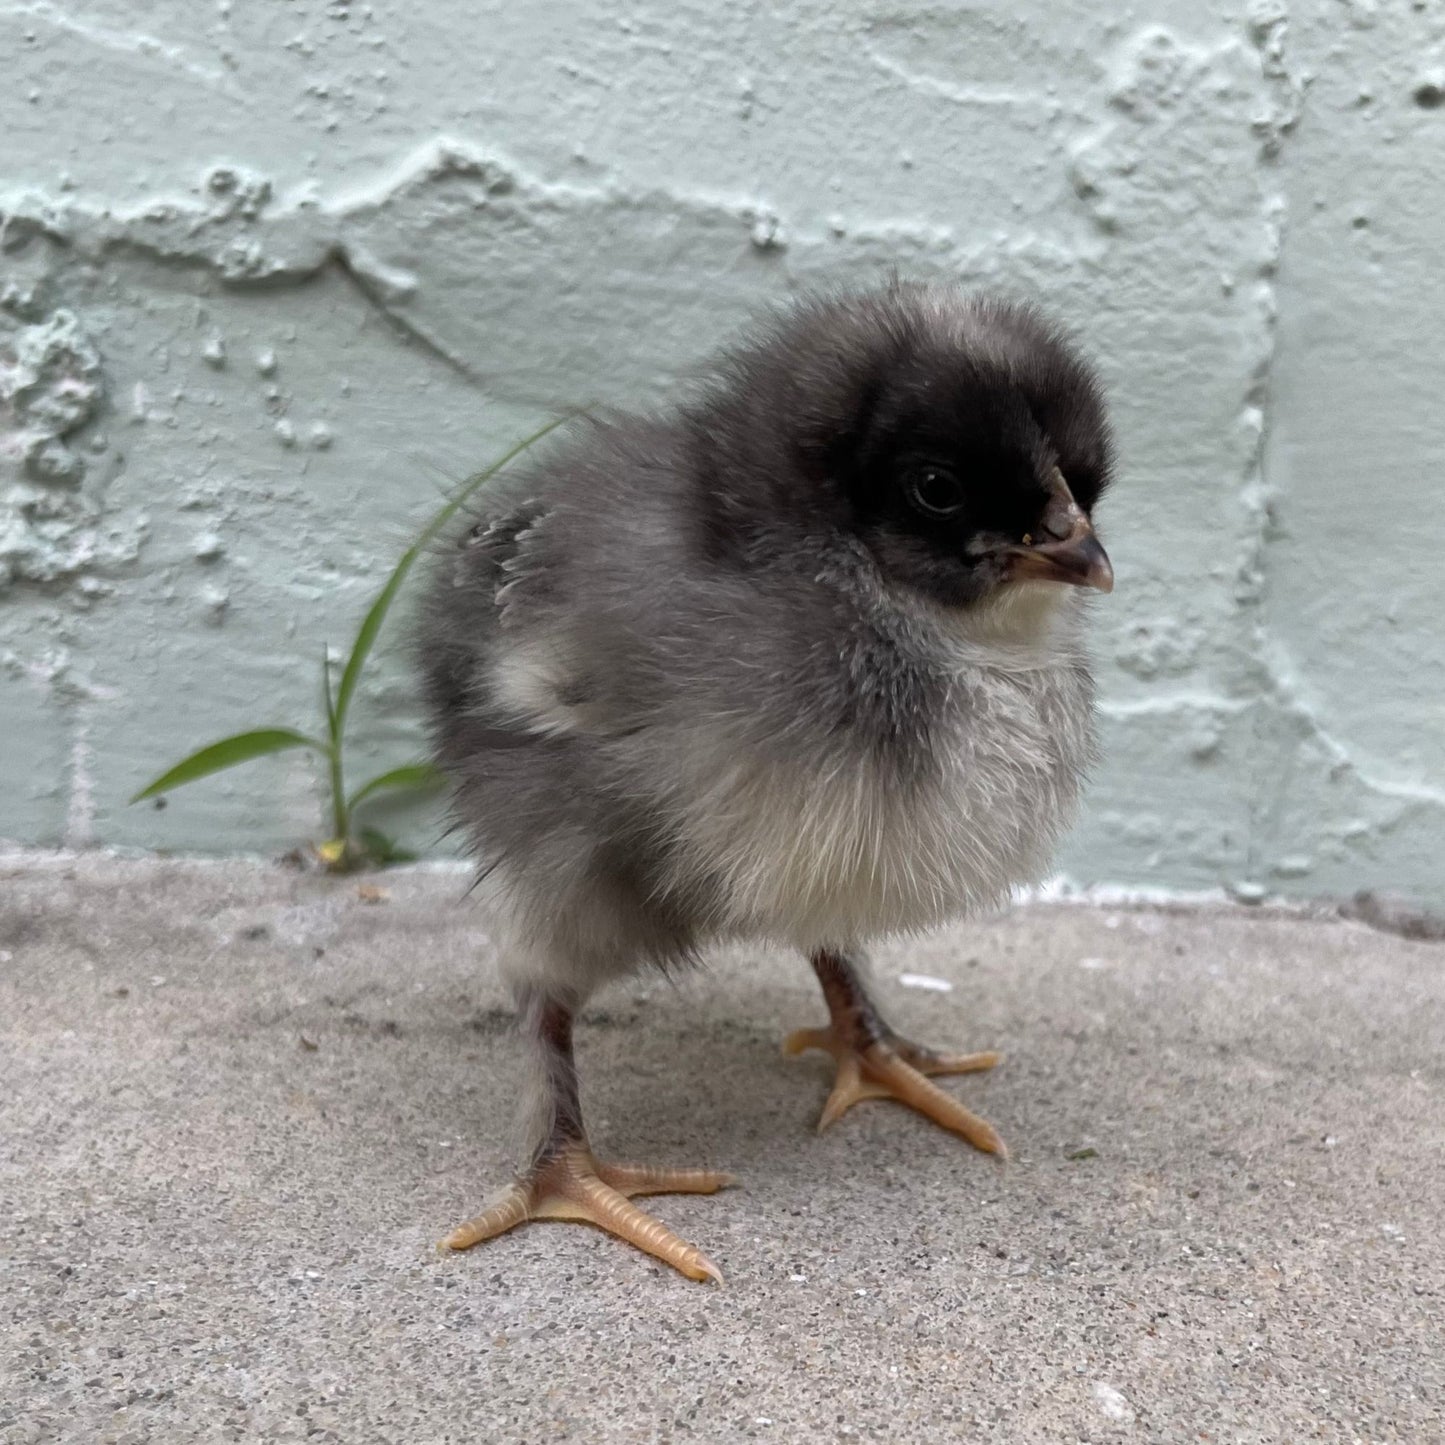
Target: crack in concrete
(364, 280)
(979, 96)
(1280, 694)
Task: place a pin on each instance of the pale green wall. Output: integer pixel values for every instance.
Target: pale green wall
(272, 273)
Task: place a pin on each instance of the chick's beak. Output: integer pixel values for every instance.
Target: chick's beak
(1066, 549)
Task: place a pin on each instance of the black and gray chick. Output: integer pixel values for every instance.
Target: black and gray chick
(803, 661)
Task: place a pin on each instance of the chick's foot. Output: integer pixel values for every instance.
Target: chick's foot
(571, 1185)
(876, 1063)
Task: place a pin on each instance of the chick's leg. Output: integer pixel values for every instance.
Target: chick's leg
(565, 1182)
(876, 1063)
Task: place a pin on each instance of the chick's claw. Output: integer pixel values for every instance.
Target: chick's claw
(571, 1185)
(894, 1068)
(876, 1063)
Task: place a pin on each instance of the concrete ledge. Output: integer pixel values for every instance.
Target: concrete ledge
(238, 1106)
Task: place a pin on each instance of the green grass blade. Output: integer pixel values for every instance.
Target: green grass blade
(328, 696)
(227, 754)
(371, 623)
(415, 777)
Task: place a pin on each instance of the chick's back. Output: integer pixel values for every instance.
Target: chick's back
(583, 651)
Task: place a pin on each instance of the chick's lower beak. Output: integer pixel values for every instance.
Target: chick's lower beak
(1067, 550)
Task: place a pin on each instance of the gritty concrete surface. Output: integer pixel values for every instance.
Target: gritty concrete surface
(238, 1106)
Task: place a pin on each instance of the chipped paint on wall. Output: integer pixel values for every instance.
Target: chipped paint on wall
(269, 277)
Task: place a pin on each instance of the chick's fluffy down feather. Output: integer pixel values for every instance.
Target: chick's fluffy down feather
(657, 737)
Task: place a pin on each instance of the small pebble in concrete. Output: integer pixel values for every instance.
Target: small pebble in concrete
(925, 981)
(1113, 1404)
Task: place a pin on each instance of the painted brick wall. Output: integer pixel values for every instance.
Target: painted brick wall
(273, 274)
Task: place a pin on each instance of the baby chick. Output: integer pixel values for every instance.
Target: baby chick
(802, 662)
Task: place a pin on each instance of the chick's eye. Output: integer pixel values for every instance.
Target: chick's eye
(935, 492)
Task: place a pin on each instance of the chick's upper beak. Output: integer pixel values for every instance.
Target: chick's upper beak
(1067, 549)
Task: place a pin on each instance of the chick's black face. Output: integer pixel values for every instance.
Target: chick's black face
(965, 453)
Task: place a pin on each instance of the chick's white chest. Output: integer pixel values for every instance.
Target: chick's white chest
(832, 846)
